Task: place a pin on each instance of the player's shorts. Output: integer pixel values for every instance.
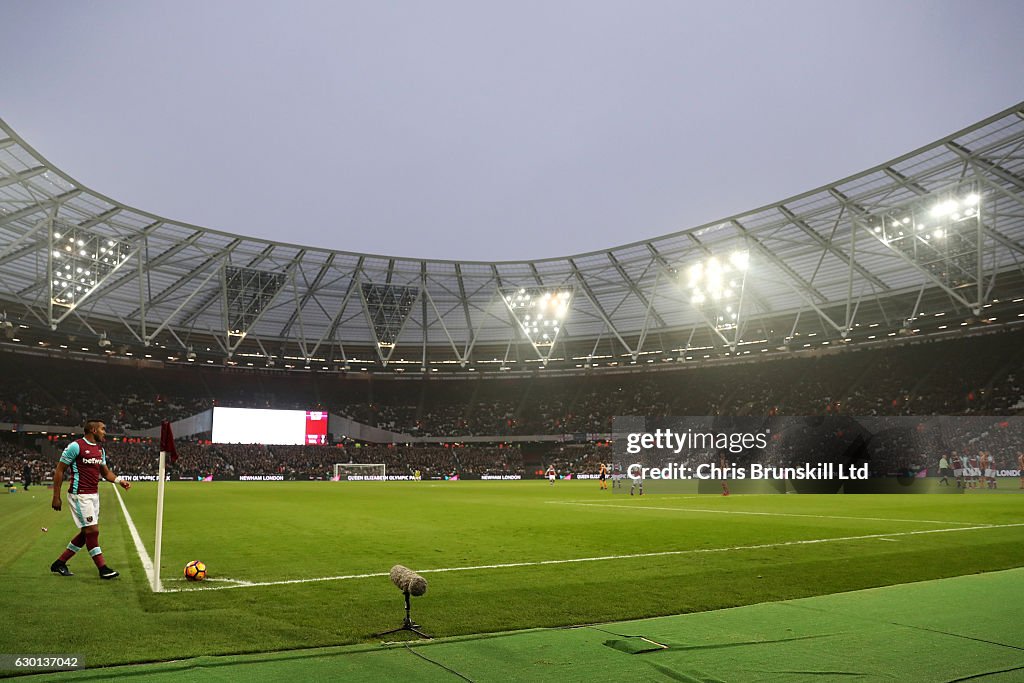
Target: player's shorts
(602, 477)
(958, 472)
(551, 477)
(85, 508)
(990, 473)
(944, 471)
(638, 481)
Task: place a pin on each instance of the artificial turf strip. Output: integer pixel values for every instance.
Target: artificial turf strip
(309, 530)
(943, 630)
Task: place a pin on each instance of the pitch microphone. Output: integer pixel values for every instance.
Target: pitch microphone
(408, 581)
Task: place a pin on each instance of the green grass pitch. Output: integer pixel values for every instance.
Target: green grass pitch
(661, 555)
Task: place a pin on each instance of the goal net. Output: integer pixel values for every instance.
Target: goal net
(360, 471)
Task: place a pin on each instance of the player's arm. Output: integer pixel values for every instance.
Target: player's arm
(108, 474)
(58, 479)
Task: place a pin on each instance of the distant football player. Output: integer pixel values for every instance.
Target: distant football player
(603, 476)
(958, 469)
(616, 475)
(87, 460)
(637, 485)
(988, 469)
(551, 475)
(1020, 467)
(943, 470)
(725, 484)
(973, 472)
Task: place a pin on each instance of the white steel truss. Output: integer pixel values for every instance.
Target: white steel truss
(829, 265)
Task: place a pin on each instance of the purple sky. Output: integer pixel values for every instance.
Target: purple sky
(479, 130)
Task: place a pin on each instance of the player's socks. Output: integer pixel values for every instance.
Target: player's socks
(73, 547)
(92, 542)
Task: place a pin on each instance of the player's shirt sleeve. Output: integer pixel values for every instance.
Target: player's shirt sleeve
(70, 453)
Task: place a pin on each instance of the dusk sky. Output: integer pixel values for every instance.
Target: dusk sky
(490, 131)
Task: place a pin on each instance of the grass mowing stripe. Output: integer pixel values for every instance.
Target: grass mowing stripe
(273, 531)
(147, 564)
(539, 563)
(767, 514)
(19, 521)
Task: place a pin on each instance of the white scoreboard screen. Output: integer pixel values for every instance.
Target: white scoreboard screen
(252, 425)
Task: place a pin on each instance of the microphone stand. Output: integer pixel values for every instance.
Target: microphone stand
(407, 625)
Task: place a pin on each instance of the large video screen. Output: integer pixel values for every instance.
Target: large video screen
(253, 425)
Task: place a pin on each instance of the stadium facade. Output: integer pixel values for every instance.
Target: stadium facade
(927, 244)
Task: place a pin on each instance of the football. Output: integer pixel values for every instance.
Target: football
(195, 571)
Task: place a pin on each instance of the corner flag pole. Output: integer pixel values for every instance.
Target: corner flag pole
(155, 579)
(166, 448)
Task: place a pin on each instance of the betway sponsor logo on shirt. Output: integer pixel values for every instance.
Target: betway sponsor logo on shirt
(92, 461)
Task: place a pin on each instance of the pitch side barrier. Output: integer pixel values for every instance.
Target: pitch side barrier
(353, 477)
(821, 454)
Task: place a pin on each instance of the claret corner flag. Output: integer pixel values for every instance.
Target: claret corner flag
(167, 441)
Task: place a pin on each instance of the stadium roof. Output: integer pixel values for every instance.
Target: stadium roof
(938, 230)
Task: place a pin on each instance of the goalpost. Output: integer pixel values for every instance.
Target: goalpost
(376, 471)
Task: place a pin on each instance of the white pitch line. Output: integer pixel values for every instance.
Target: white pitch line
(744, 512)
(240, 582)
(591, 502)
(147, 564)
(664, 553)
(248, 584)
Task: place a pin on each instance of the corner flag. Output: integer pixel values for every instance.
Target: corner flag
(167, 441)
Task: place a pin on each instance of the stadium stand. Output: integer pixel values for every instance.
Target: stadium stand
(968, 376)
(909, 379)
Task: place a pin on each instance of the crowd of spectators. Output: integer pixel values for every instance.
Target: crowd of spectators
(14, 458)
(199, 460)
(913, 379)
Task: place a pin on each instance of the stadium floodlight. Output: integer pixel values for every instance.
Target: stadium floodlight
(541, 313)
(248, 293)
(190, 354)
(103, 342)
(80, 259)
(943, 236)
(387, 308)
(715, 288)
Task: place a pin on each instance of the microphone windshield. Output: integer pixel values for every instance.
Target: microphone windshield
(408, 581)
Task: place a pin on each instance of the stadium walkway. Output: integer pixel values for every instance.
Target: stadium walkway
(964, 628)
